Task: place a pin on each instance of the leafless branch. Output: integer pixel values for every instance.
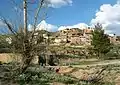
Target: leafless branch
(9, 26)
(36, 15)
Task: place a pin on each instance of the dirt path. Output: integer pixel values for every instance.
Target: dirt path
(99, 63)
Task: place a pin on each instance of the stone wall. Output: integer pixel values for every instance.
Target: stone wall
(9, 57)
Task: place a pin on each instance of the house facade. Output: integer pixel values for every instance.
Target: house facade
(75, 36)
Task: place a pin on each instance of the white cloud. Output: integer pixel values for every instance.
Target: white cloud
(109, 16)
(80, 26)
(30, 27)
(58, 3)
(45, 26)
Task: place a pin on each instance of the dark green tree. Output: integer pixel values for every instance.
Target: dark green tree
(100, 41)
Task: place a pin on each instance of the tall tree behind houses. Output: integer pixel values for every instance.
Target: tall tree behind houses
(100, 41)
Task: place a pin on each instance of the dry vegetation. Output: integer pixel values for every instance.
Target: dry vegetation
(26, 45)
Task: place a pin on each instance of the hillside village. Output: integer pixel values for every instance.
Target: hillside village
(76, 36)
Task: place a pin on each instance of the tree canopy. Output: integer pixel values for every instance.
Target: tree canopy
(100, 41)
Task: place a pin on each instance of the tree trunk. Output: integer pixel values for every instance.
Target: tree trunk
(26, 62)
(25, 16)
(98, 54)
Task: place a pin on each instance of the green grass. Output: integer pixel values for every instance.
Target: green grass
(45, 79)
(48, 77)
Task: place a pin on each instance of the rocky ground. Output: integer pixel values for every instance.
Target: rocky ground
(81, 72)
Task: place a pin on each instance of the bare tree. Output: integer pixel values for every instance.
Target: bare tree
(27, 43)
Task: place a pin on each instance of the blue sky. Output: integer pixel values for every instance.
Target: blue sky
(67, 13)
(80, 11)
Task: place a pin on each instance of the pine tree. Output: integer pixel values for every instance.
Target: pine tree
(100, 41)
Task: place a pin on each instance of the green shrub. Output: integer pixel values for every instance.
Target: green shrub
(111, 55)
(5, 50)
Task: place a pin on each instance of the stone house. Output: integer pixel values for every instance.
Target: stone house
(75, 36)
(114, 39)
